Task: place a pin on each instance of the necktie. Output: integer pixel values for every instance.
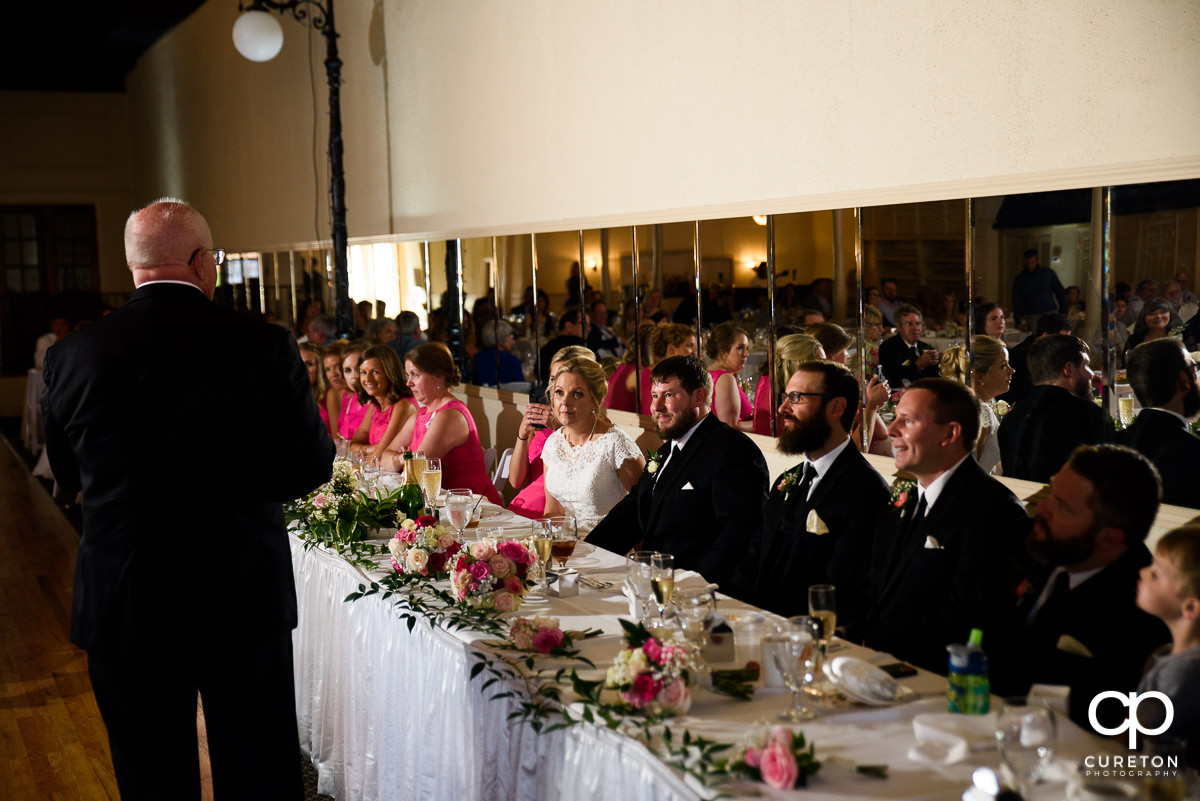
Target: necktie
(806, 482)
(918, 516)
(1058, 594)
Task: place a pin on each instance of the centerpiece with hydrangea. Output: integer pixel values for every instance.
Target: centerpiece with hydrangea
(341, 516)
(492, 574)
(422, 547)
(651, 674)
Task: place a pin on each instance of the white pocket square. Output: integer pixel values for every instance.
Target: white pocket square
(932, 544)
(687, 486)
(1071, 645)
(814, 524)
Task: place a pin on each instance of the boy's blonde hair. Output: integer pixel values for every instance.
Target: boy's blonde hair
(1181, 547)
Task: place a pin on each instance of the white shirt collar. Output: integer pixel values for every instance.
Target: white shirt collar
(934, 490)
(170, 281)
(823, 464)
(1176, 415)
(681, 443)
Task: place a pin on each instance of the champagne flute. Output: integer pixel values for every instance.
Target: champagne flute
(822, 607)
(637, 573)
(543, 544)
(458, 508)
(1026, 734)
(662, 581)
(418, 467)
(563, 533)
(794, 651)
(431, 480)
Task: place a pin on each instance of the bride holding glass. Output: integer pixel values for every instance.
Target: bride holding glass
(590, 463)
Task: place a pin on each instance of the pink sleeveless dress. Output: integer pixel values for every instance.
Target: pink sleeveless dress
(762, 406)
(351, 416)
(618, 397)
(531, 501)
(746, 412)
(462, 466)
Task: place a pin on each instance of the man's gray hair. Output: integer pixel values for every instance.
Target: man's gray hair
(165, 232)
(493, 333)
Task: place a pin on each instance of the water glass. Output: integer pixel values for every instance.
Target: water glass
(697, 613)
(794, 652)
(1026, 734)
(637, 573)
(370, 472)
(458, 508)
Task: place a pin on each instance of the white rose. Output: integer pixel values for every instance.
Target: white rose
(396, 548)
(415, 561)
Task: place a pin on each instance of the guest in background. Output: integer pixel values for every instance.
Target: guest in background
(940, 565)
(60, 327)
(952, 311)
(1035, 291)
(833, 338)
(408, 333)
(820, 297)
(600, 338)
(1147, 290)
(335, 384)
(1022, 382)
(991, 377)
(312, 310)
(312, 356)
(874, 296)
(728, 347)
(352, 413)
(1163, 377)
(382, 331)
(652, 309)
(388, 402)
(1156, 321)
(820, 515)
(873, 334)
(791, 349)
(1172, 292)
(362, 318)
(497, 340)
(989, 320)
(1091, 531)
(482, 315)
(571, 327)
(904, 357)
(574, 299)
(443, 427)
(1120, 332)
(320, 330)
(890, 303)
(1038, 435)
(590, 463)
(623, 384)
(809, 317)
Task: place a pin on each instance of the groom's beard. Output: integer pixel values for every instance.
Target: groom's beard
(683, 421)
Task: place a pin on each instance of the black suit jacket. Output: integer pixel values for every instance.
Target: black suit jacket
(1037, 437)
(1175, 451)
(707, 527)
(185, 425)
(1101, 614)
(927, 598)
(896, 359)
(785, 558)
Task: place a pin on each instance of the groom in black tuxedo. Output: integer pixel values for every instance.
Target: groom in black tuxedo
(186, 425)
(703, 493)
(821, 514)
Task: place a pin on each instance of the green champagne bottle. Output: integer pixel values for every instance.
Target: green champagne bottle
(412, 499)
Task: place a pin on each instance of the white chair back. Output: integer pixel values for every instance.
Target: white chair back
(489, 459)
(500, 477)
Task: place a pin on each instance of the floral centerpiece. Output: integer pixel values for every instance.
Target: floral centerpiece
(340, 515)
(777, 757)
(421, 547)
(492, 574)
(651, 674)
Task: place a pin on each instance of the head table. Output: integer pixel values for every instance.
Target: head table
(386, 712)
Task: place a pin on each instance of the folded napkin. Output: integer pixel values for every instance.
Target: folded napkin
(947, 737)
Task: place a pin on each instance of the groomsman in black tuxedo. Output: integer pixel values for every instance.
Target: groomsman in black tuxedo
(945, 556)
(821, 514)
(183, 582)
(904, 358)
(1078, 624)
(702, 495)
(1163, 377)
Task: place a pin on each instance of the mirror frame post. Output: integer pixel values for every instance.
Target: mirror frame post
(496, 303)
(637, 323)
(583, 302)
(428, 287)
(292, 271)
(969, 281)
(696, 281)
(534, 323)
(772, 377)
(1103, 199)
(867, 425)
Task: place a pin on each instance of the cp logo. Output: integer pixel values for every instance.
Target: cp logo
(1131, 723)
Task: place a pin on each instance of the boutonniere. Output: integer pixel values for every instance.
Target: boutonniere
(653, 461)
(1023, 589)
(902, 492)
(1000, 408)
(814, 524)
(789, 480)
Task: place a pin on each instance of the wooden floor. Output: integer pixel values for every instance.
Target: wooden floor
(53, 744)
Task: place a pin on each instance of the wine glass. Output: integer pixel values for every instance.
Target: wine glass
(794, 651)
(370, 472)
(637, 573)
(543, 545)
(563, 532)
(662, 581)
(697, 613)
(431, 480)
(822, 607)
(1026, 734)
(458, 508)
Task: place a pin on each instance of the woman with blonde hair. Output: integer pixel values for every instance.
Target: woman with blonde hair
(991, 378)
(590, 463)
(312, 355)
(790, 351)
(728, 348)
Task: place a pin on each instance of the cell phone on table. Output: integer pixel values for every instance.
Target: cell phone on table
(898, 670)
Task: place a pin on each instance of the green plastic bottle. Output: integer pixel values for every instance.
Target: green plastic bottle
(411, 502)
(969, 691)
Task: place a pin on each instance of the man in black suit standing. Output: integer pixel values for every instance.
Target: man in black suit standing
(1163, 377)
(703, 493)
(945, 558)
(1037, 436)
(183, 583)
(1079, 625)
(904, 358)
(821, 514)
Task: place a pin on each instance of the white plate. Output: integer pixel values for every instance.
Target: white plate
(863, 682)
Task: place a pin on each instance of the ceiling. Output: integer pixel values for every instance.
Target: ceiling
(82, 46)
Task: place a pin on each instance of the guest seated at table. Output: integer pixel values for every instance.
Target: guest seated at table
(905, 358)
(728, 347)
(652, 309)
(1156, 321)
(312, 355)
(408, 334)
(443, 427)
(571, 327)
(1022, 382)
(331, 362)
(989, 320)
(804, 349)
(1078, 625)
(1164, 379)
(352, 413)
(623, 384)
(952, 311)
(806, 317)
(704, 489)
(944, 557)
(390, 408)
(60, 327)
(991, 377)
(590, 463)
(497, 340)
(873, 334)
(381, 331)
(820, 515)
(1037, 436)
(600, 338)
(1120, 332)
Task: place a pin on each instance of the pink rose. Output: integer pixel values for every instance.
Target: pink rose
(753, 757)
(501, 565)
(676, 697)
(515, 551)
(479, 570)
(506, 602)
(547, 640)
(645, 687)
(514, 585)
(778, 767)
(483, 550)
(446, 540)
(320, 501)
(653, 650)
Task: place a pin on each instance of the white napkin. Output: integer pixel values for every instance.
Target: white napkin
(947, 737)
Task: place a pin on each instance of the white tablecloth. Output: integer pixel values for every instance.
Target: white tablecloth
(32, 432)
(388, 713)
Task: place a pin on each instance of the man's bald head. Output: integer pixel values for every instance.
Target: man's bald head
(166, 241)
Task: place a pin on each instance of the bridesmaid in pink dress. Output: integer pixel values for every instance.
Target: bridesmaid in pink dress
(387, 400)
(332, 362)
(351, 415)
(729, 348)
(444, 428)
(311, 354)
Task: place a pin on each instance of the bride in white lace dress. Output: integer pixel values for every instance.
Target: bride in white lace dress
(990, 378)
(590, 463)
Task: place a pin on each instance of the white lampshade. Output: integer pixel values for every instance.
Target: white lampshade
(257, 35)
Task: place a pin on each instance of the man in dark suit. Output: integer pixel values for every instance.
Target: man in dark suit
(820, 515)
(1163, 377)
(1037, 436)
(1079, 625)
(944, 559)
(904, 358)
(186, 425)
(703, 493)
(1018, 357)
